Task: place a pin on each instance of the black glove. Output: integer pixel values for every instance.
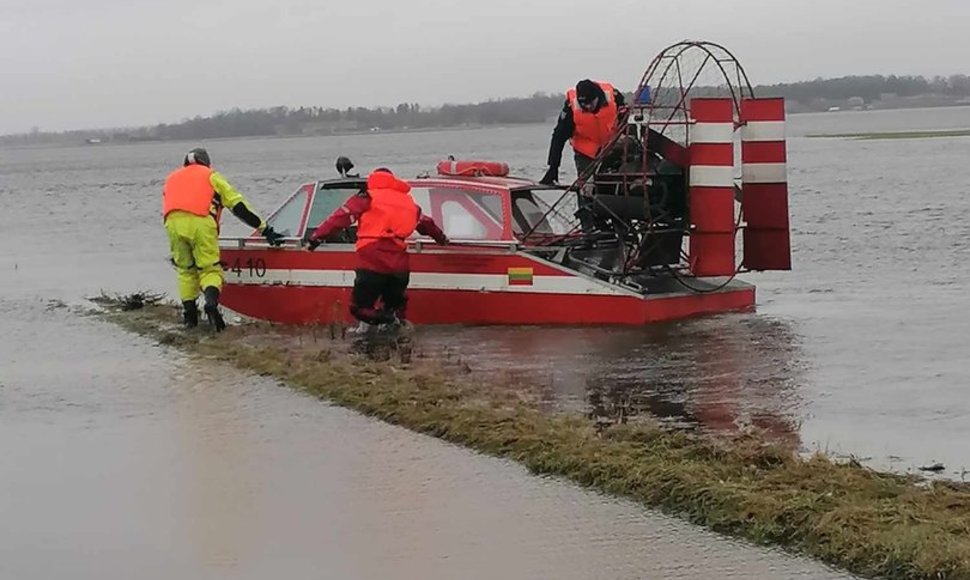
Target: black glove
(274, 239)
(551, 176)
(313, 244)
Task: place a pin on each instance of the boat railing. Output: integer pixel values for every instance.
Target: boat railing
(417, 246)
(254, 242)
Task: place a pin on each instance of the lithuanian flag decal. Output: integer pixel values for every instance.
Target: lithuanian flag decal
(520, 276)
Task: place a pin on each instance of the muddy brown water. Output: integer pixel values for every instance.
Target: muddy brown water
(117, 457)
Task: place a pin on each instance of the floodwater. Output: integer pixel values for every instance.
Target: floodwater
(860, 350)
(118, 458)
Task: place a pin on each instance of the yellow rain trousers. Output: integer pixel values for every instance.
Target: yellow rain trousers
(194, 242)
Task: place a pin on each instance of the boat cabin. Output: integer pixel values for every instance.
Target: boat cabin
(468, 209)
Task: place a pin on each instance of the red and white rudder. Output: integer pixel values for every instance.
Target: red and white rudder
(764, 170)
(711, 174)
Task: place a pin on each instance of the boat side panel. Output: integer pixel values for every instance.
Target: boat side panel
(326, 304)
(295, 287)
(458, 270)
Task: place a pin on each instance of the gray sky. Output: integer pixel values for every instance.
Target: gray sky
(103, 63)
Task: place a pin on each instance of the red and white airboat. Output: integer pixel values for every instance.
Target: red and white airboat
(518, 256)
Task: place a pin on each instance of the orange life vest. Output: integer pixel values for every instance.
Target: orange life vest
(392, 215)
(592, 130)
(189, 190)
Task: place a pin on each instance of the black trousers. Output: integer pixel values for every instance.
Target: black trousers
(390, 289)
(584, 204)
(582, 162)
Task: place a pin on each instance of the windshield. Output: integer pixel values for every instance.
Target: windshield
(544, 212)
(288, 218)
(325, 202)
(463, 214)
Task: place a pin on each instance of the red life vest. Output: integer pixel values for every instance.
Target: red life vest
(392, 215)
(189, 190)
(592, 130)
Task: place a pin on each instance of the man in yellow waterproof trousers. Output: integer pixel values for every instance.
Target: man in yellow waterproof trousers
(192, 201)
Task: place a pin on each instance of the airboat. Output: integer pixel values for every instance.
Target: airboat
(689, 193)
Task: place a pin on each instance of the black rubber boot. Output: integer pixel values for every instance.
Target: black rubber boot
(405, 340)
(385, 319)
(212, 309)
(190, 313)
(587, 221)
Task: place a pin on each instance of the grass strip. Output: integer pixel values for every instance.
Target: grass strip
(870, 523)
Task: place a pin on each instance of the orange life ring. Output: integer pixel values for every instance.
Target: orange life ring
(457, 168)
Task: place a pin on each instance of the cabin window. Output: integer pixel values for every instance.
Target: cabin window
(458, 223)
(287, 219)
(492, 204)
(325, 202)
(463, 214)
(544, 212)
(529, 216)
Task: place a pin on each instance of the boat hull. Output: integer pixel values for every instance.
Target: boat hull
(482, 287)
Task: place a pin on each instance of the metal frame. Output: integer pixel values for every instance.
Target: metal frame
(667, 72)
(418, 245)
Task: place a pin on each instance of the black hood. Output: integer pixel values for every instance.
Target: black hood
(587, 90)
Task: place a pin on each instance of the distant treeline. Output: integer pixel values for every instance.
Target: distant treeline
(318, 120)
(856, 92)
(874, 91)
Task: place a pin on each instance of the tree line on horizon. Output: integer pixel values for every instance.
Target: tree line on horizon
(872, 91)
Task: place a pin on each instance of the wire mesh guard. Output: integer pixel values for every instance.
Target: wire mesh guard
(634, 199)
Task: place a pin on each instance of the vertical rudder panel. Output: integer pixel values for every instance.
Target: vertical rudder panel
(767, 237)
(711, 174)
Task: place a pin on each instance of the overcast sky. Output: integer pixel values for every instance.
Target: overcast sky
(106, 63)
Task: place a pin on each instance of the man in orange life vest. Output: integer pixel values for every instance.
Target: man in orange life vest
(192, 202)
(586, 121)
(386, 215)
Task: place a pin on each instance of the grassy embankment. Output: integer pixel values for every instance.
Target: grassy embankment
(870, 523)
(895, 135)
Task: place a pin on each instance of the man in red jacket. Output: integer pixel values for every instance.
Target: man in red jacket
(386, 215)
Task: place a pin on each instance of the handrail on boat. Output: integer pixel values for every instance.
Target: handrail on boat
(418, 245)
(242, 242)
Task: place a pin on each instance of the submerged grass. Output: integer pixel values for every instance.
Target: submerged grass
(896, 135)
(870, 523)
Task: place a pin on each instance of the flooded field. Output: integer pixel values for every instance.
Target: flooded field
(195, 471)
(122, 459)
(860, 350)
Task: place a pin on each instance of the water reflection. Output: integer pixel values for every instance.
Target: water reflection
(215, 432)
(725, 374)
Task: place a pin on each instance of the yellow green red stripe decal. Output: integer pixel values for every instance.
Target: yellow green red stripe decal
(520, 276)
